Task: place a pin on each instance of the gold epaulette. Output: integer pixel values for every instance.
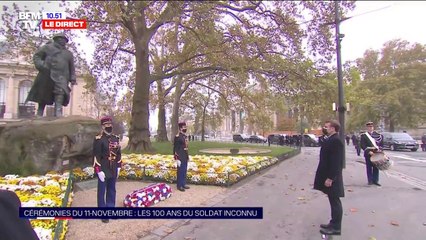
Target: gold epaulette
(177, 135)
(98, 137)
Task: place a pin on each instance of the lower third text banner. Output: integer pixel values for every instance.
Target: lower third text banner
(141, 213)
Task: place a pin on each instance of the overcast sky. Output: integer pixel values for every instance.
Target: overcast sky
(397, 20)
(373, 24)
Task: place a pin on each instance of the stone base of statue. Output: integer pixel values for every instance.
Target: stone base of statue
(40, 145)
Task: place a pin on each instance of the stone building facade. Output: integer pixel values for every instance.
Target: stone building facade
(16, 79)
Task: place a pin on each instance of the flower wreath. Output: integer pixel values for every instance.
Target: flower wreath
(148, 195)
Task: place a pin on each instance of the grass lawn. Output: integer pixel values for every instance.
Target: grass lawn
(166, 148)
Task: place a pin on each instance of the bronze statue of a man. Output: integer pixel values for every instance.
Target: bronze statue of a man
(56, 69)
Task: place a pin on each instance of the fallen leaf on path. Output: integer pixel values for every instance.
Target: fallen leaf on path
(189, 238)
(395, 223)
(353, 210)
(424, 224)
(301, 198)
(350, 190)
(373, 211)
(371, 225)
(302, 189)
(372, 238)
(168, 230)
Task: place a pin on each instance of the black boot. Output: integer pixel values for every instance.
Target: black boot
(40, 109)
(59, 99)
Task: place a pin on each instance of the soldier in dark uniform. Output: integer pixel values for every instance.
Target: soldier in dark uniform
(369, 150)
(56, 69)
(180, 151)
(107, 163)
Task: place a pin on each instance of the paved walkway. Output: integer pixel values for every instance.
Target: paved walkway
(292, 210)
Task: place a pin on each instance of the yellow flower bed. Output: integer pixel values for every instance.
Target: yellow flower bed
(49, 190)
(40, 191)
(202, 169)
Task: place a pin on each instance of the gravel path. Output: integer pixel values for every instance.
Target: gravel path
(133, 229)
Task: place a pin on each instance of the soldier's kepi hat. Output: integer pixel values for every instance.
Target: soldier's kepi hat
(60, 35)
(105, 120)
(182, 124)
(369, 124)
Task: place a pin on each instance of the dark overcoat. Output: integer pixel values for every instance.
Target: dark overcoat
(56, 69)
(330, 166)
(12, 227)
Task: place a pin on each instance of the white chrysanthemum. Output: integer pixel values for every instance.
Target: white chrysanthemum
(212, 175)
(195, 178)
(220, 180)
(11, 176)
(43, 233)
(90, 171)
(47, 202)
(30, 203)
(216, 164)
(52, 183)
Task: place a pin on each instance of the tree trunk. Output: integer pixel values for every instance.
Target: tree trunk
(176, 104)
(391, 125)
(161, 129)
(139, 134)
(197, 121)
(203, 123)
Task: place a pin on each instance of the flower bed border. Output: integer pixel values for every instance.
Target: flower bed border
(60, 226)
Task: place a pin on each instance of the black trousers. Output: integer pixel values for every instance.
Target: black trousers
(336, 212)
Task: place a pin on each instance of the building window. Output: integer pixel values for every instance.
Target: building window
(2, 97)
(25, 110)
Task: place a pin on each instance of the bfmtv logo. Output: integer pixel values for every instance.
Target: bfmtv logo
(29, 21)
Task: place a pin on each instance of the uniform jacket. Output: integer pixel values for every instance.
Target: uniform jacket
(365, 142)
(330, 166)
(107, 154)
(11, 226)
(180, 147)
(56, 67)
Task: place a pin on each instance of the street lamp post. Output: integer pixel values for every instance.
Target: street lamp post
(341, 107)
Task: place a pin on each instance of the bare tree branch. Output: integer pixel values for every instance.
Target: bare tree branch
(185, 72)
(189, 59)
(127, 51)
(172, 9)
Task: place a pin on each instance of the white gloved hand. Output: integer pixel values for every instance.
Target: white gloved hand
(101, 176)
(118, 172)
(178, 163)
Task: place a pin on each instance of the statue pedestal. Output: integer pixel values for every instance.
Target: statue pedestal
(36, 146)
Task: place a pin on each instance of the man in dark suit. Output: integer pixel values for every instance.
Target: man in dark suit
(323, 137)
(329, 178)
(12, 227)
(180, 151)
(371, 143)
